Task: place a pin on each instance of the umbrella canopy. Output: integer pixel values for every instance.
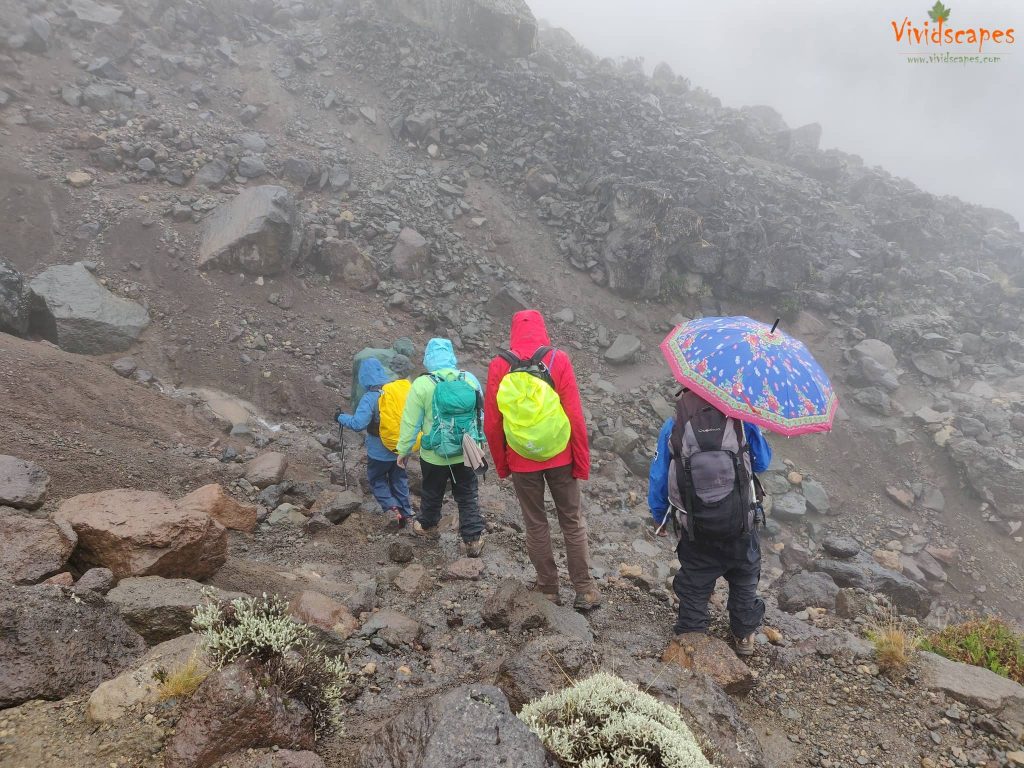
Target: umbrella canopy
(752, 373)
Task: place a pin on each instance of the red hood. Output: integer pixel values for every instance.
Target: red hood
(529, 333)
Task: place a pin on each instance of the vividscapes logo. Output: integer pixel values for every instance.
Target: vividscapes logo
(956, 44)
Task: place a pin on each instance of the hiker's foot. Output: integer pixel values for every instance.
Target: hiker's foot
(475, 547)
(425, 533)
(396, 519)
(588, 600)
(550, 594)
(744, 645)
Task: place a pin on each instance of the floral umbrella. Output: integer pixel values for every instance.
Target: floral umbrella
(753, 372)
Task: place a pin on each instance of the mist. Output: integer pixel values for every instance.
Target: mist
(950, 128)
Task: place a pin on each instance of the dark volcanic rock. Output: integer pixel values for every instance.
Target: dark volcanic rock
(462, 727)
(53, 644)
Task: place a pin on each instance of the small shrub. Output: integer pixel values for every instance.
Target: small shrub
(606, 722)
(894, 643)
(260, 632)
(989, 643)
(182, 682)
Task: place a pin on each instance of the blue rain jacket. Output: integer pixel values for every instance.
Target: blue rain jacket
(657, 492)
(371, 374)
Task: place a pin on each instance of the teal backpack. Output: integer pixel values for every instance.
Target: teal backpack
(457, 410)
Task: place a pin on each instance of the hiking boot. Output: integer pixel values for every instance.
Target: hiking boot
(475, 547)
(425, 533)
(744, 645)
(553, 597)
(589, 600)
(396, 519)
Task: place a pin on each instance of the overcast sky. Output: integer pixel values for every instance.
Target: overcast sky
(952, 129)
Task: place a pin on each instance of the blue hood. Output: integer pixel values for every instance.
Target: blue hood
(373, 374)
(439, 354)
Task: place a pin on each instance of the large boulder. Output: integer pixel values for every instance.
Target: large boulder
(32, 548)
(710, 656)
(23, 484)
(504, 29)
(54, 644)
(862, 572)
(214, 501)
(233, 710)
(808, 590)
(976, 687)
(161, 609)
(994, 474)
(258, 232)
(266, 469)
(140, 684)
(79, 315)
(15, 301)
(143, 533)
(410, 254)
(470, 725)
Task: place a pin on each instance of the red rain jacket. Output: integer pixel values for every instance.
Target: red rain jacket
(528, 335)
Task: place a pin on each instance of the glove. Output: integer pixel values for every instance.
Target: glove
(337, 414)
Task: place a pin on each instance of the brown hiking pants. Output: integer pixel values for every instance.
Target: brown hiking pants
(565, 490)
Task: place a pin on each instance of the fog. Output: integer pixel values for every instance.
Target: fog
(950, 128)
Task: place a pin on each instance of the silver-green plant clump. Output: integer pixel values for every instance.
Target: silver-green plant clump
(606, 722)
(260, 632)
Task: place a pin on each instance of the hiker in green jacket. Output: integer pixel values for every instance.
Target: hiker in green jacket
(446, 405)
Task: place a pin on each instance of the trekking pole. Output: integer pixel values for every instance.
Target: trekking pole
(341, 439)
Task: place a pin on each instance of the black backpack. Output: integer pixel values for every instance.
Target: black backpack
(710, 476)
(534, 365)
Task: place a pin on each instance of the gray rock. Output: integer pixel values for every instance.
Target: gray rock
(80, 315)
(842, 547)
(23, 484)
(864, 573)
(875, 399)
(213, 173)
(146, 165)
(95, 13)
(394, 628)
(52, 646)
(98, 580)
(878, 351)
(124, 367)
(161, 609)
(252, 142)
(410, 254)
(258, 232)
(15, 301)
(775, 483)
(71, 95)
(106, 98)
(623, 350)
(789, 506)
(299, 171)
(460, 727)
(251, 167)
(935, 363)
(978, 688)
(34, 548)
(817, 498)
(339, 178)
(808, 590)
(512, 606)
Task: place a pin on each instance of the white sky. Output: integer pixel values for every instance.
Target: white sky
(952, 129)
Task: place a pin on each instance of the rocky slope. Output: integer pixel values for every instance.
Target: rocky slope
(220, 202)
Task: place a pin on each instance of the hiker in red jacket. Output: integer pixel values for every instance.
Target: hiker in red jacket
(562, 472)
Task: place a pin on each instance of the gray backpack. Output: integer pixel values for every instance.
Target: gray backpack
(710, 478)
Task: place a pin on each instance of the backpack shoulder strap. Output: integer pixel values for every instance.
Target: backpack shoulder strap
(509, 357)
(540, 354)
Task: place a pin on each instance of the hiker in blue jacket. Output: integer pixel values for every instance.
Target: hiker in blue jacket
(388, 481)
(702, 561)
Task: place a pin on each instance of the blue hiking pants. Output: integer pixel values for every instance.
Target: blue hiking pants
(390, 485)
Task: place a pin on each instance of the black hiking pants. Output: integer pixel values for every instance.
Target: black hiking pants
(465, 489)
(701, 564)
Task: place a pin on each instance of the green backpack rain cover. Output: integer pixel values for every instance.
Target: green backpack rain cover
(457, 410)
(535, 423)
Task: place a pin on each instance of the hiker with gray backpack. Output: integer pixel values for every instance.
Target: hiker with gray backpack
(446, 405)
(704, 488)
